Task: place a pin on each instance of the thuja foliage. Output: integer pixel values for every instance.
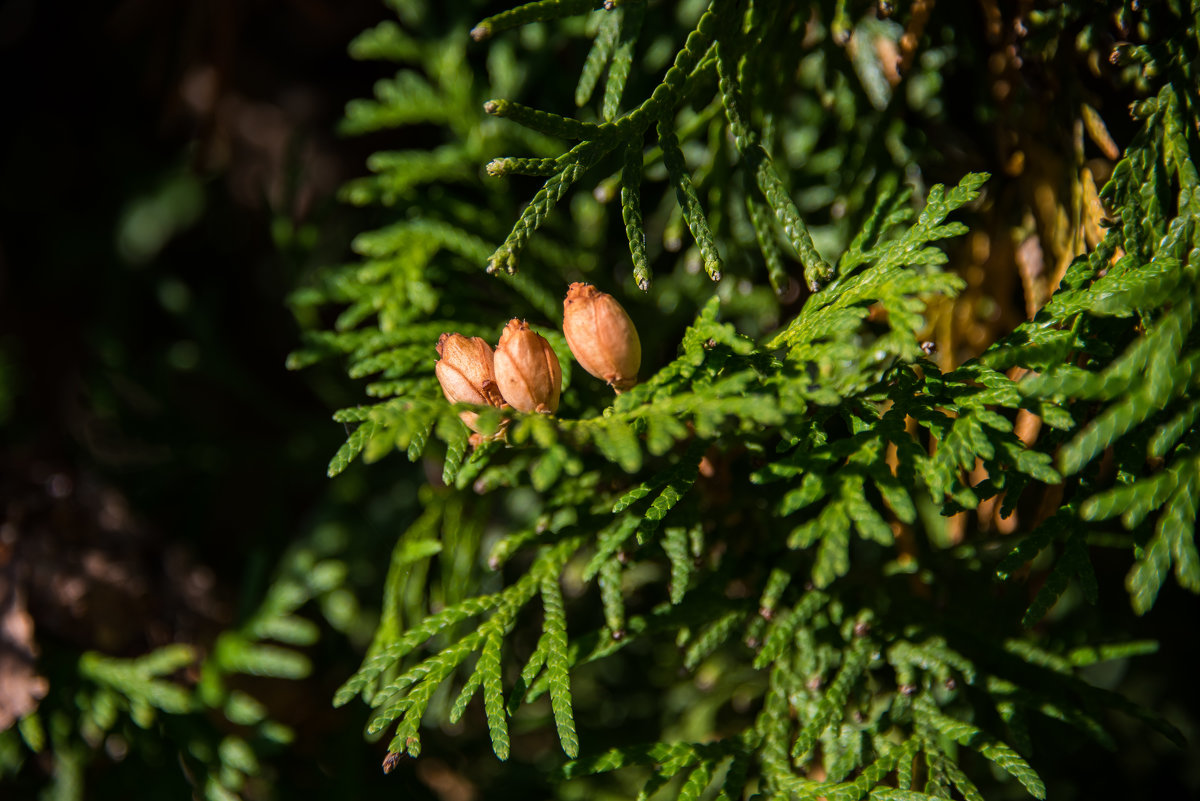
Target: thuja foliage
(737, 577)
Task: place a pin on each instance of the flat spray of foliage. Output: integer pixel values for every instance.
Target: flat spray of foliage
(754, 534)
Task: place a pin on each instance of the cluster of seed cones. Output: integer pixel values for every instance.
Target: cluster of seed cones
(523, 373)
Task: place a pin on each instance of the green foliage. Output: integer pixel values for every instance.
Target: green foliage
(1115, 348)
(763, 516)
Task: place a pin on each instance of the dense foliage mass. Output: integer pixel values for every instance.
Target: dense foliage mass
(770, 497)
(839, 540)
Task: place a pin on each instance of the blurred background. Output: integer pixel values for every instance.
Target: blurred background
(168, 174)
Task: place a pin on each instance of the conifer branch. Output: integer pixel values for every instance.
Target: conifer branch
(630, 20)
(574, 164)
(688, 201)
(555, 628)
(519, 166)
(597, 58)
(543, 121)
(540, 11)
(631, 214)
(817, 271)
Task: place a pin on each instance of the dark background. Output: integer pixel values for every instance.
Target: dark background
(168, 173)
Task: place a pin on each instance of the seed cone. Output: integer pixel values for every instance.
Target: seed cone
(466, 370)
(527, 370)
(601, 336)
(466, 373)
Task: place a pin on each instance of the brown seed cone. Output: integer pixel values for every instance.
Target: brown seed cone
(466, 370)
(601, 336)
(527, 370)
(467, 374)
